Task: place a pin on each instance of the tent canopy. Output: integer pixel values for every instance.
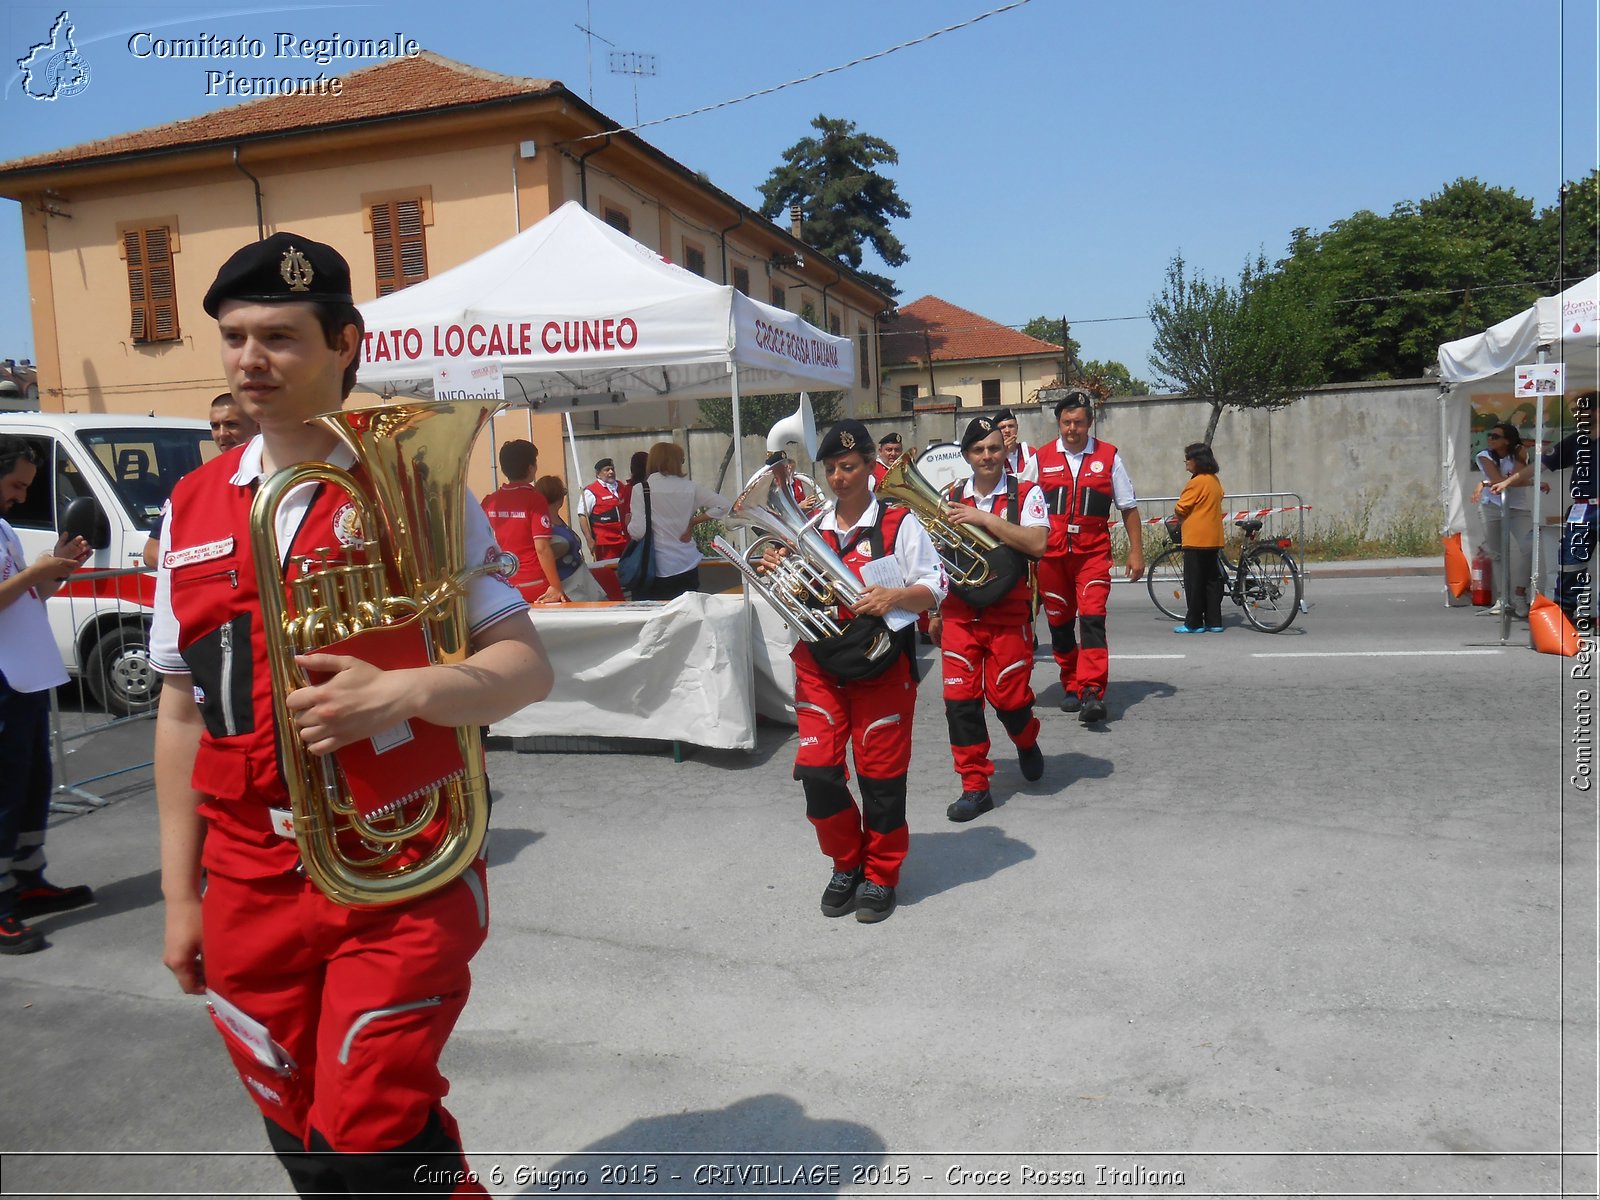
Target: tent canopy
(580, 315)
(1568, 324)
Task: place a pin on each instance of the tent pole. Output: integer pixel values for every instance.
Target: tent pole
(578, 480)
(738, 435)
(752, 628)
(1538, 497)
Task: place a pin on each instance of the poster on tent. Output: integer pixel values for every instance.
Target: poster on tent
(482, 379)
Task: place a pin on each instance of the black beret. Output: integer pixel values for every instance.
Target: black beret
(603, 464)
(889, 439)
(977, 429)
(282, 268)
(1005, 414)
(845, 436)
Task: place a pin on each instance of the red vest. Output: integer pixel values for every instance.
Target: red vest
(1080, 509)
(217, 604)
(1017, 604)
(861, 551)
(606, 518)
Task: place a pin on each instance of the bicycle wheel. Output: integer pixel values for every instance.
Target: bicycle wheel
(1269, 585)
(1165, 580)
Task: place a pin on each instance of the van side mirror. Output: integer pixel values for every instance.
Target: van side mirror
(86, 519)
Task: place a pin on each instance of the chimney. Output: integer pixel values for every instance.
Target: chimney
(795, 221)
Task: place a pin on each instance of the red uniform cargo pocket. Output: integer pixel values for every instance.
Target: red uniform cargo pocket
(268, 1072)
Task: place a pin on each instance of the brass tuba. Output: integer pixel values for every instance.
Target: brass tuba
(981, 567)
(410, 567)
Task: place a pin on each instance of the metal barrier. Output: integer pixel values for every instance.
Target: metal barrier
(1275, 510)
(110, 627)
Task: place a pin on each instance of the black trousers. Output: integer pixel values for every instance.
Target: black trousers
(672, 586)
(1202, 587)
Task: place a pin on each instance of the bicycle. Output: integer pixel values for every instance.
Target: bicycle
(1265, 581)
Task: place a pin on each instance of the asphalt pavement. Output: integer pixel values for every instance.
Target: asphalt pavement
(1313, 913)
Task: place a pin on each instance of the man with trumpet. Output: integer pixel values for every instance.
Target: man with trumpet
(334, 1013)
(988, 651)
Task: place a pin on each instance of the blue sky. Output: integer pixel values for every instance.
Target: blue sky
(1055, 155)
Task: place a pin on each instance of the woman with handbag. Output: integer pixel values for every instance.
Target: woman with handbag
(666, 507)
(869, 716)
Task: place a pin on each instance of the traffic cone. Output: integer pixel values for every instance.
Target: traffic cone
(1552, 633)
(1457, 574)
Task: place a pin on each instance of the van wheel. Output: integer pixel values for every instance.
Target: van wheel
(120, 675)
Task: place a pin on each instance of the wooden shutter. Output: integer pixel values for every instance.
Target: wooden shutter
(152, 290)
(399, 251)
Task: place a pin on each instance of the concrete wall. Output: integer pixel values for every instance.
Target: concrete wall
(1353, 451)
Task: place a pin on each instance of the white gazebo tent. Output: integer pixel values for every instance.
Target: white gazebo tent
(1563, 328)
(580, 316)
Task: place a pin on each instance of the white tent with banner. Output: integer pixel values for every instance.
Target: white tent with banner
(575, 315)
(1480, 377)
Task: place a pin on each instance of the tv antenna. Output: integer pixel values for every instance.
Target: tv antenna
(631, 62)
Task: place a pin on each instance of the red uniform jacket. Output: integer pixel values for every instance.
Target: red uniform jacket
(519, 515)
(1017, 604)
(1079, 508)
(606, 519)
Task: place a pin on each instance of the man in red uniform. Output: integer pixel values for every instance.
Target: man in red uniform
(888, 454)
(988, 652)
(334, 1017)
(603, 521)
(871, 717)
(1083, 480)
(520, 517)
(1018, 453)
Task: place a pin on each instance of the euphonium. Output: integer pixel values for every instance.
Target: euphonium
(411, 567)
(811, 578)
(981, 567)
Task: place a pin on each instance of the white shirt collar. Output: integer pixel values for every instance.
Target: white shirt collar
(249, 470)
(970, 489)
(1061, 444)
(831, 519)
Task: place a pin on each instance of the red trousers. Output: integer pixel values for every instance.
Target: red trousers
(872, 719)
(359, 1002)
(1075, 588)
(986, 660)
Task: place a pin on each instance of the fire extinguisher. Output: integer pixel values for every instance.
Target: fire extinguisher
(1482, 579)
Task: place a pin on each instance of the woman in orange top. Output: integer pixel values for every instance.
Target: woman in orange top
(1199, 510)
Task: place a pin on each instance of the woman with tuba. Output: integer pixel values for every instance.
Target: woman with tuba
(987, 649)
(870, 717)
(334, 1013)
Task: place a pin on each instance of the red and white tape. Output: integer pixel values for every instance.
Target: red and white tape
(1244, 514)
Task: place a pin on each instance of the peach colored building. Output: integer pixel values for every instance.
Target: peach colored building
(418, 164)
(932, 348)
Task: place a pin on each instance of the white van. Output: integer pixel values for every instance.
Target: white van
(125, 465)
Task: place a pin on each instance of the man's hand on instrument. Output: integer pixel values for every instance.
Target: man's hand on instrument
(878, 601)
(357, 701)
(771, 557)
(967, 514)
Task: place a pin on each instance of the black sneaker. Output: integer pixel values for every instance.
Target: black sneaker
(970, 804)
(1070, 702)
(839, 897)
(42, 898)
(874, 902)
(1031, 760)
(1094, 706)
(17, 938)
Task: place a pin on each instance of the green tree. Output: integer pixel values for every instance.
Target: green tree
(1056, 331)
(1118, 380)
(1582, 232)
(1254, 344)
(758, 414)
(1395, 287)
(845, 201)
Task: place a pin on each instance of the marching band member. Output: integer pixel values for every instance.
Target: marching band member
(520, 517)
(335, 1017)
(1019, 455)
(870, 717)
(889, 446)
(988, 652)
(1083, 479)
